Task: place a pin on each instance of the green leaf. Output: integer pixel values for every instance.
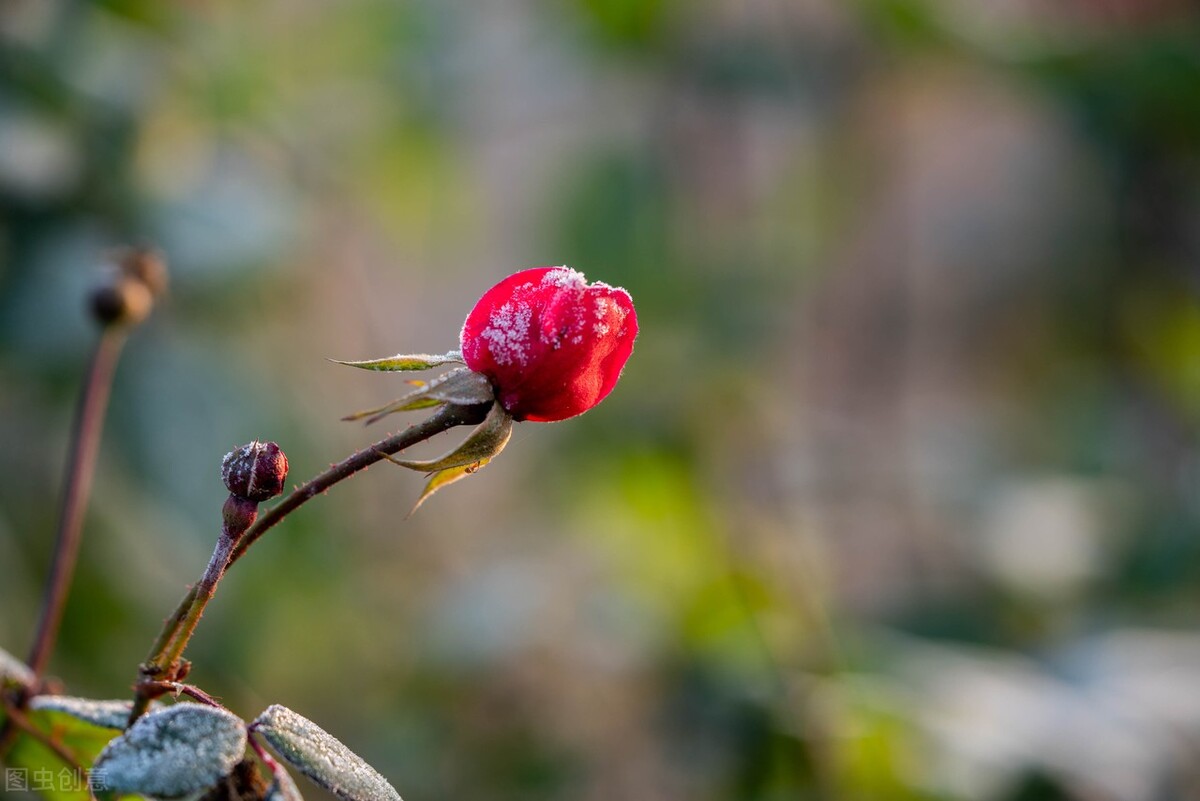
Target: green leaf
(183, 749)
(82, 726)
(485, 442)
(32, 765)
(321, 757)
(399, 362)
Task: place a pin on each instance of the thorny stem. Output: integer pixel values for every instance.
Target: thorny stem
(177, 630)
(81, 464)
(447, 417)
(189, 690)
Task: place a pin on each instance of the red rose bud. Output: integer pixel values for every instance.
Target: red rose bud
(552, 344)
(256, 471)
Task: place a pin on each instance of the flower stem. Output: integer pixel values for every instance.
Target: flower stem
(81, 463)
(168, 649)
(445, 418)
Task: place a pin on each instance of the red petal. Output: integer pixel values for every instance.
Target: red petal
(553, 345)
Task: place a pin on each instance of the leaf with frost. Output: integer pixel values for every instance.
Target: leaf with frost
(484, 443)
(461, 387)
(415, 361)
(321, 757)
(105, 714)
(183, 749)
(14, 671)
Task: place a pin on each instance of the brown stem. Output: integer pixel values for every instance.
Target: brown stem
(178, 629)
(190, 690)
(447, 417)
(85, 441)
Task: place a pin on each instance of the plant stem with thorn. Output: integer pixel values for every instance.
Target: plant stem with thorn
(168, 649)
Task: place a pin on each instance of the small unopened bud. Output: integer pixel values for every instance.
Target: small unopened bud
(146, 266)
(239, 513)
(256, 471)
(124, 301)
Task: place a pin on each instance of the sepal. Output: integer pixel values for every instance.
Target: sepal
(483, 444)
(402, 362)
(460, 387)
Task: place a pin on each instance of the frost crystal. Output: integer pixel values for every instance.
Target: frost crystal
(565, 278)
(507, 333)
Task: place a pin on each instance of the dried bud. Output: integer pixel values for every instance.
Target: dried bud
(239, 513)
(146, 266)
(124, 301)
(256, 471)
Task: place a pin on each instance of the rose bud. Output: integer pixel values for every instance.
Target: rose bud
(552, 344)
(256, 471)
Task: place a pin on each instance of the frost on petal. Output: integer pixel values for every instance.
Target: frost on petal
(565, 278)
(507, 333)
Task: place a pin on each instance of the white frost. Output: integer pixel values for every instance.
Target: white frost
(565, 278)
(507, 333)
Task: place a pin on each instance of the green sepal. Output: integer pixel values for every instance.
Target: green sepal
(444, 478)
(486, 441)
(484, 444)
(461, 387)
(401, 362)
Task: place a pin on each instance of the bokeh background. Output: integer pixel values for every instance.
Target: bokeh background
(897, 498)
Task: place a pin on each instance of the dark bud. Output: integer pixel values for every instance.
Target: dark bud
(256, 471)
(239, 513)
(123, 301)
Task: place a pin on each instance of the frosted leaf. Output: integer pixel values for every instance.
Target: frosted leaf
(105, 714)
(283, 788)
(14, 671)
(183, 749)
(321, 757)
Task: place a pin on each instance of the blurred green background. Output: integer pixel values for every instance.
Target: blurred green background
(897, 498)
